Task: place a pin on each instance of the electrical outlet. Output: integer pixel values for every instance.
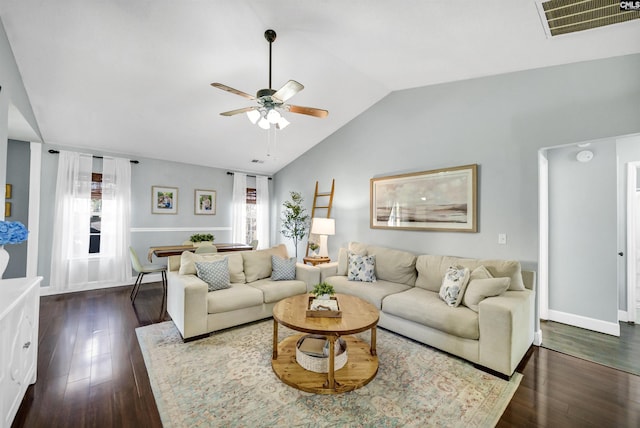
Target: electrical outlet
(502, 238)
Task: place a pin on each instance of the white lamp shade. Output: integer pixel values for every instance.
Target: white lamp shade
(323, 226)
(282, 123)
(273, 116)
(253, 116)
(264, 123)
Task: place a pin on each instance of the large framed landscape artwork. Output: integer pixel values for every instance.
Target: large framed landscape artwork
(441, 200)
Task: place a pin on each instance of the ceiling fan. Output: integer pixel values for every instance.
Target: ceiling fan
(270, 101)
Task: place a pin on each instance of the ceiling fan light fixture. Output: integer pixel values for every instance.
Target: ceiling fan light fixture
(264, 123)
(253, 116)
(282, 123)
(273, 116)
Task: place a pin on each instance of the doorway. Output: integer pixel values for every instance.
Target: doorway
(578, 236)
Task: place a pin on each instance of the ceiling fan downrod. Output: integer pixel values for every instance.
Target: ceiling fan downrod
(270, 35)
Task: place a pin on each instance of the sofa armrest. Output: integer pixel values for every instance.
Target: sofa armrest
(327, 270)
(506, 329)
(187, 303)
(309, 274)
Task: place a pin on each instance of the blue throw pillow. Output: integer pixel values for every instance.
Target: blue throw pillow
(283, 269)
(215, 274)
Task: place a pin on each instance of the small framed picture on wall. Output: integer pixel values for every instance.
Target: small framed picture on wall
(164, 200)
(205, 202)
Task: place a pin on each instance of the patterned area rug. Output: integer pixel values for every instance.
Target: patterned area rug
(227, 380)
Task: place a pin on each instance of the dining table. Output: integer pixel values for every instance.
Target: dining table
(174, 250)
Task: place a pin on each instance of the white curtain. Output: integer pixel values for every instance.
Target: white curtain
(70, 249)
(262, 211)
(114, 260)
(239, 208)
(72, 266)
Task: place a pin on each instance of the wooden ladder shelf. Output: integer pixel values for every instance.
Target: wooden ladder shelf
(322, 201)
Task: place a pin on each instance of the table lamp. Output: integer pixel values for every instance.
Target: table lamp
(323, 227)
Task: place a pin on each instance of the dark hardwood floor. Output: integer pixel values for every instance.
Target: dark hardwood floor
(91, 373)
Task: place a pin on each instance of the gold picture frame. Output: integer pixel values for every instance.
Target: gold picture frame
(442, 200)
(204, 202)
(164, 200)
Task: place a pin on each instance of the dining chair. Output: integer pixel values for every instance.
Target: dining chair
(206, 249)
(254, 244)
(142, 271)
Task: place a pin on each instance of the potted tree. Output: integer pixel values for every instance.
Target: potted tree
(295, 220)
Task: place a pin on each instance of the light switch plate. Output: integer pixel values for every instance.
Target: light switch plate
(502, 238)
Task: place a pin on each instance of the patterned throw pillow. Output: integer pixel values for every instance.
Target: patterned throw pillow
(216, 274)
(453, 285)
(283, 269)
(361, 268)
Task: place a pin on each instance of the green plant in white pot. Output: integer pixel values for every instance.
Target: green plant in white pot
(323, 291)
(295, 220)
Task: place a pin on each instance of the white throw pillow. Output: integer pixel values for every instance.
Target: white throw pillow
(361, 268)
(453, 285)
(480, 289)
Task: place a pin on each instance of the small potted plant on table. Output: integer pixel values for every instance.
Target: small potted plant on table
(323, 291)
(200, 239)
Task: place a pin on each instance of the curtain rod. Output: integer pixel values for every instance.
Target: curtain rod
(55, 152)
(231, 173)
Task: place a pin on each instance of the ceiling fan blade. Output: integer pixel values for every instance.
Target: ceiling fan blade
(288, 90)
(238, 111)
(232, 90)
(310, 111)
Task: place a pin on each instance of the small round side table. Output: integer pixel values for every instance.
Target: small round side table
(316, 260)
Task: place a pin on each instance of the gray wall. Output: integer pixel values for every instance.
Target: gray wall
(13, 92)
(498, 122)
(148, 229)
(18, 164)
(582, 230)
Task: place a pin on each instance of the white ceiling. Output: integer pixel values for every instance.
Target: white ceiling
(132, 76)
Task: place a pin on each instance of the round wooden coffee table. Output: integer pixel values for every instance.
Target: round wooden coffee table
(362, 361)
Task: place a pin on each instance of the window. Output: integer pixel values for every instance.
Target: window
(95, 224)
(251, 215)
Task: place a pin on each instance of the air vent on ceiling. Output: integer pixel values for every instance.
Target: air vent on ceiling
(568, 16)
(256, 161)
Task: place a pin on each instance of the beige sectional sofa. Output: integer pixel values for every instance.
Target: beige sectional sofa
(251, 297)
(406, 291)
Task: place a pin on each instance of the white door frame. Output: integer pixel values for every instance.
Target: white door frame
(631, 239)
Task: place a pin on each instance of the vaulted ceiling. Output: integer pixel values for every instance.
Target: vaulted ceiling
(133, 77)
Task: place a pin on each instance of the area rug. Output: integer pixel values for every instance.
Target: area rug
(227, 380)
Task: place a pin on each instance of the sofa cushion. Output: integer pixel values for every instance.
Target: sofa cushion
(480, 289)
(236, 268)
(257, 264)
(283, 269)
(215, 274)
(453, 285)
(239, 296)
(274, 291)
(372, 292)
(426, 308)
(361, 268)
(343, 256)
(431, 269)
(394, 265)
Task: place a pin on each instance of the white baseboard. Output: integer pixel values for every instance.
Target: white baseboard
(584, 322)
(623, 315)
(537, 338)
(49, 291)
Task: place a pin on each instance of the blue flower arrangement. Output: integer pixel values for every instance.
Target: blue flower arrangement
(12, 232)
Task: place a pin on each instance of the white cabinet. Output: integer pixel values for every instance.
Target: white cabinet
(19, 312)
